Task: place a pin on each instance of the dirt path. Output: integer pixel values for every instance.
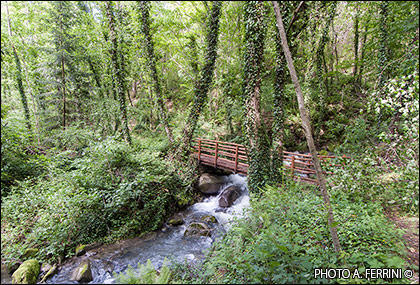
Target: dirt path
(410, 226)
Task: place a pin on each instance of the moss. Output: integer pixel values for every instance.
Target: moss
(209, 219)
(83, 269)
(27, 273)
(80, 250)
(53, 270)
(323, 152)
(30, 252)
(175, 222)
(82, 273)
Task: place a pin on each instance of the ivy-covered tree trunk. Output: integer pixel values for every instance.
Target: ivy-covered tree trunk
(383, 41)
(307, 129)
(258, 153)
(18, 74)
(193, 53)
(227, 95)
(144, 7)
(63, 87)
(319, 72)
(356, 47)
(117, 71)
(206, 77)
(362, 55)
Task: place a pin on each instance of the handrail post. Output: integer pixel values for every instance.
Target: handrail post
(199, 150)
(215, 158)
(236, 158)
(293, 164)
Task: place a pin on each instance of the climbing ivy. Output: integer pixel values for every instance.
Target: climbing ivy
(144, 8)
(206, 76)
(319, 72)
(193, 53)
(21, 90)
(117, 70)
(258, 149)
(383, 40)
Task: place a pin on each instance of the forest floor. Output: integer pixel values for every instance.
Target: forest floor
(410, 226)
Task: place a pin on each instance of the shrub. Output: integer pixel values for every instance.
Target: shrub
(285, 237)
(109, 191)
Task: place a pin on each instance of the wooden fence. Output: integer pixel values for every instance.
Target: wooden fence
(234, 157)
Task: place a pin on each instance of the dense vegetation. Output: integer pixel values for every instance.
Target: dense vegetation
(100, 101)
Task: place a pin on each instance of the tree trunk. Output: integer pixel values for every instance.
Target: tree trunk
(19, 74)
(258, 150)
(362, 56)
(63, 90)
(206, 77)
(307, 128)
(356, 46)
(320, 74)
(383, 41)
(117, 71)
(145, 19)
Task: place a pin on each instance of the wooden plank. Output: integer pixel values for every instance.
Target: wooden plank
(222, 146)
(215, 157)
(199, 150)
(229, 143)
(236, 159)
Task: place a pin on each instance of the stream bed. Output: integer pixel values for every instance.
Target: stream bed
(167, 242)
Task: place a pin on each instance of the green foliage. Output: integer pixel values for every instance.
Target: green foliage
(20, 159)
(106, 192)
(285, 237)
(145, 274)
(395, 188)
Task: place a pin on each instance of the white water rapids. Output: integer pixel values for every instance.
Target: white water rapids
(167, 242)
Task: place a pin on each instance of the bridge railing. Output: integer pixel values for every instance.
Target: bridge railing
(226, 155)
(234, 157)
(302, 165)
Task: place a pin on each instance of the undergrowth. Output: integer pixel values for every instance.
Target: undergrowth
(102, 192)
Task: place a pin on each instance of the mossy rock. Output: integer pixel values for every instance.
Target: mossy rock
(80, 250)
(210, 184)
(27, 273)
(197, 229)
(53, 270)
(30, 253)
(175, 222)
(82, 273)
(209, 219)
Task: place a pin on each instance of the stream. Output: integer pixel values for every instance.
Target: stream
(167, 242)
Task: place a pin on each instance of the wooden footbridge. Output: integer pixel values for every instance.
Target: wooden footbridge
(234, 157)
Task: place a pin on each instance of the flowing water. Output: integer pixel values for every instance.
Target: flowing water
(166, 242)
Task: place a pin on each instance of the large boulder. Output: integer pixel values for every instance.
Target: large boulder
(210, 184)
(27, 273)
(197, 229)
(82, 273)
(229, 196)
